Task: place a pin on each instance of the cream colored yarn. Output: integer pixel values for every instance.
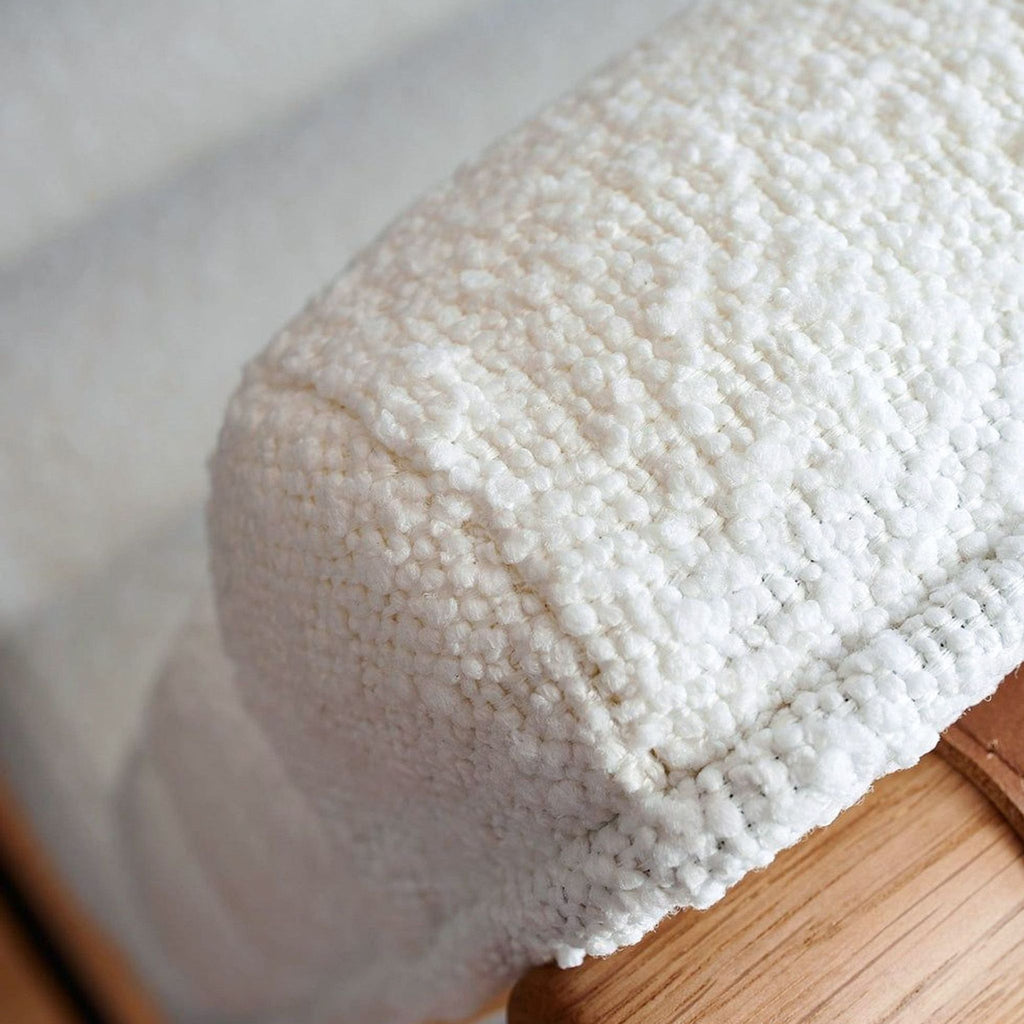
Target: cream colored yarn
(646, 492)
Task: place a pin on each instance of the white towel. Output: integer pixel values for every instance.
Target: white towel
(643, 494)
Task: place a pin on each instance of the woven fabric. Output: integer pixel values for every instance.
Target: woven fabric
(644, 493)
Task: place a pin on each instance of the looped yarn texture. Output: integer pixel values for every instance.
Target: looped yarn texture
(648, 490)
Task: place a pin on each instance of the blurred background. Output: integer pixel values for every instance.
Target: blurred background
(176, 179)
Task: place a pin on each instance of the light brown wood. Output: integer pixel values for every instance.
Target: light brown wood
(987, 746)
(101, 968)
(490, 1008)
(28, 992)
(909, 909)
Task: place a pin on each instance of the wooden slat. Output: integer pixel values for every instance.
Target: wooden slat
(908, 909)
(29, 993)
(94, 958)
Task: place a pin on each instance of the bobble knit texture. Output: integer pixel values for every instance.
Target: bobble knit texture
(646, 492)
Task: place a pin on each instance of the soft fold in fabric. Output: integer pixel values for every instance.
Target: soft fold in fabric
(641, 496)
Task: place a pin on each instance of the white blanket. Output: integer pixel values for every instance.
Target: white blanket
(644, 493)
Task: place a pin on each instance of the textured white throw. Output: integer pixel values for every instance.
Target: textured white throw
(643, 494)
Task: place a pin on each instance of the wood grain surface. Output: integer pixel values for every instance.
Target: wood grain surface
(29, 993)
(909, 909)
(99, 966)
(987, 745)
